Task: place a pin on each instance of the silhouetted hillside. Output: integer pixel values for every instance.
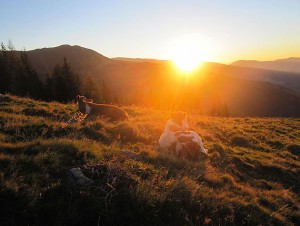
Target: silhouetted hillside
(214, 89)
(83, 60)
(139, 60)
(291, 64)
(288, 80)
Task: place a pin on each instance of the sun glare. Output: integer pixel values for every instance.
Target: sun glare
(186, 62)
(189, 52)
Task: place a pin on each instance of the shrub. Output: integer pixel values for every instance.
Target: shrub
(240, 141)
(219, 148)
(218, 154)
(36, 112)
(294, 149)
(213, 180)
(127, 132)
(27, 132)
(275, 144)
(94, 134)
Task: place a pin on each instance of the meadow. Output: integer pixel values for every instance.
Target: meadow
(251, 176)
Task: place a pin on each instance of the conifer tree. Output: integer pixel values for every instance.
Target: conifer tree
(4, 75)
(106, 96)
(64, 84)
(90, 89)
(34, 86)
(17, 74)
(48, 88)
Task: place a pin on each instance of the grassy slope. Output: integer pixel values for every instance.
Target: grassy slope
(251, 177)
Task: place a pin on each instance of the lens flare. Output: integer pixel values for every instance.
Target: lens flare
(189, 52)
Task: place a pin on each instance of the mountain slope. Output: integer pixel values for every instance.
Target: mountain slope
(139, 60)
(158, 83)
(82, 60)
(289, 64)
(288, 80)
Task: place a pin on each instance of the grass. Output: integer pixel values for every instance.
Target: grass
(250, 178)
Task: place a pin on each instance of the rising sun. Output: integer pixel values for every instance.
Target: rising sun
(188, 53)
(186, 62)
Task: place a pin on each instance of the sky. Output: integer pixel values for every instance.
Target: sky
(221, 30)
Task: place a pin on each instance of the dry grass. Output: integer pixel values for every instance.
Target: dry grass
(251, 176)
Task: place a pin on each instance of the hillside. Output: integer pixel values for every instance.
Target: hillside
(84, 61)
(287, 80)
(291, 64)
(251, 176)
(245, 91)
(139, 60)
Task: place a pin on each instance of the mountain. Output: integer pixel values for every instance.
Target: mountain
(288, 80)
(289, 64)
(82, 60)
(244, 91)
(139, 60)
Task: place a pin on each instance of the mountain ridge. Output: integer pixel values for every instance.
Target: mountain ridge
(45, 59)
(150, 60)
(246, 91)
(291, 64)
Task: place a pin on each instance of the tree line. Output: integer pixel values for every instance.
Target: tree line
(18, 77)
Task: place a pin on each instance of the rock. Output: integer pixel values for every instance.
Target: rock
(77, 178)
(3, 97)
(131, 155)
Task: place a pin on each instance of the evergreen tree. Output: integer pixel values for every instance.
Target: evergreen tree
(116, 99)
(90, 89)
(106, 96)
(64, 84)
(218, 107)
(48, 88)
(17, 74)
(34, 86)
(4, 74)
(12, 69)
(59, 85)
(71, 80)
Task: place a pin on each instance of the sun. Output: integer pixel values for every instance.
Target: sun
(189, 52)
(187, 60)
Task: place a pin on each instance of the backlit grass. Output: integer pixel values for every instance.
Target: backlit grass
(251, 176)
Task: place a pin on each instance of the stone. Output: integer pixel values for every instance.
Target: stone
(77, 178)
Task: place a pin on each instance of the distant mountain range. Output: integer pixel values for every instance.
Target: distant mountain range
(291, 64)
(246, 91)
(287, 80)
(140, 60)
